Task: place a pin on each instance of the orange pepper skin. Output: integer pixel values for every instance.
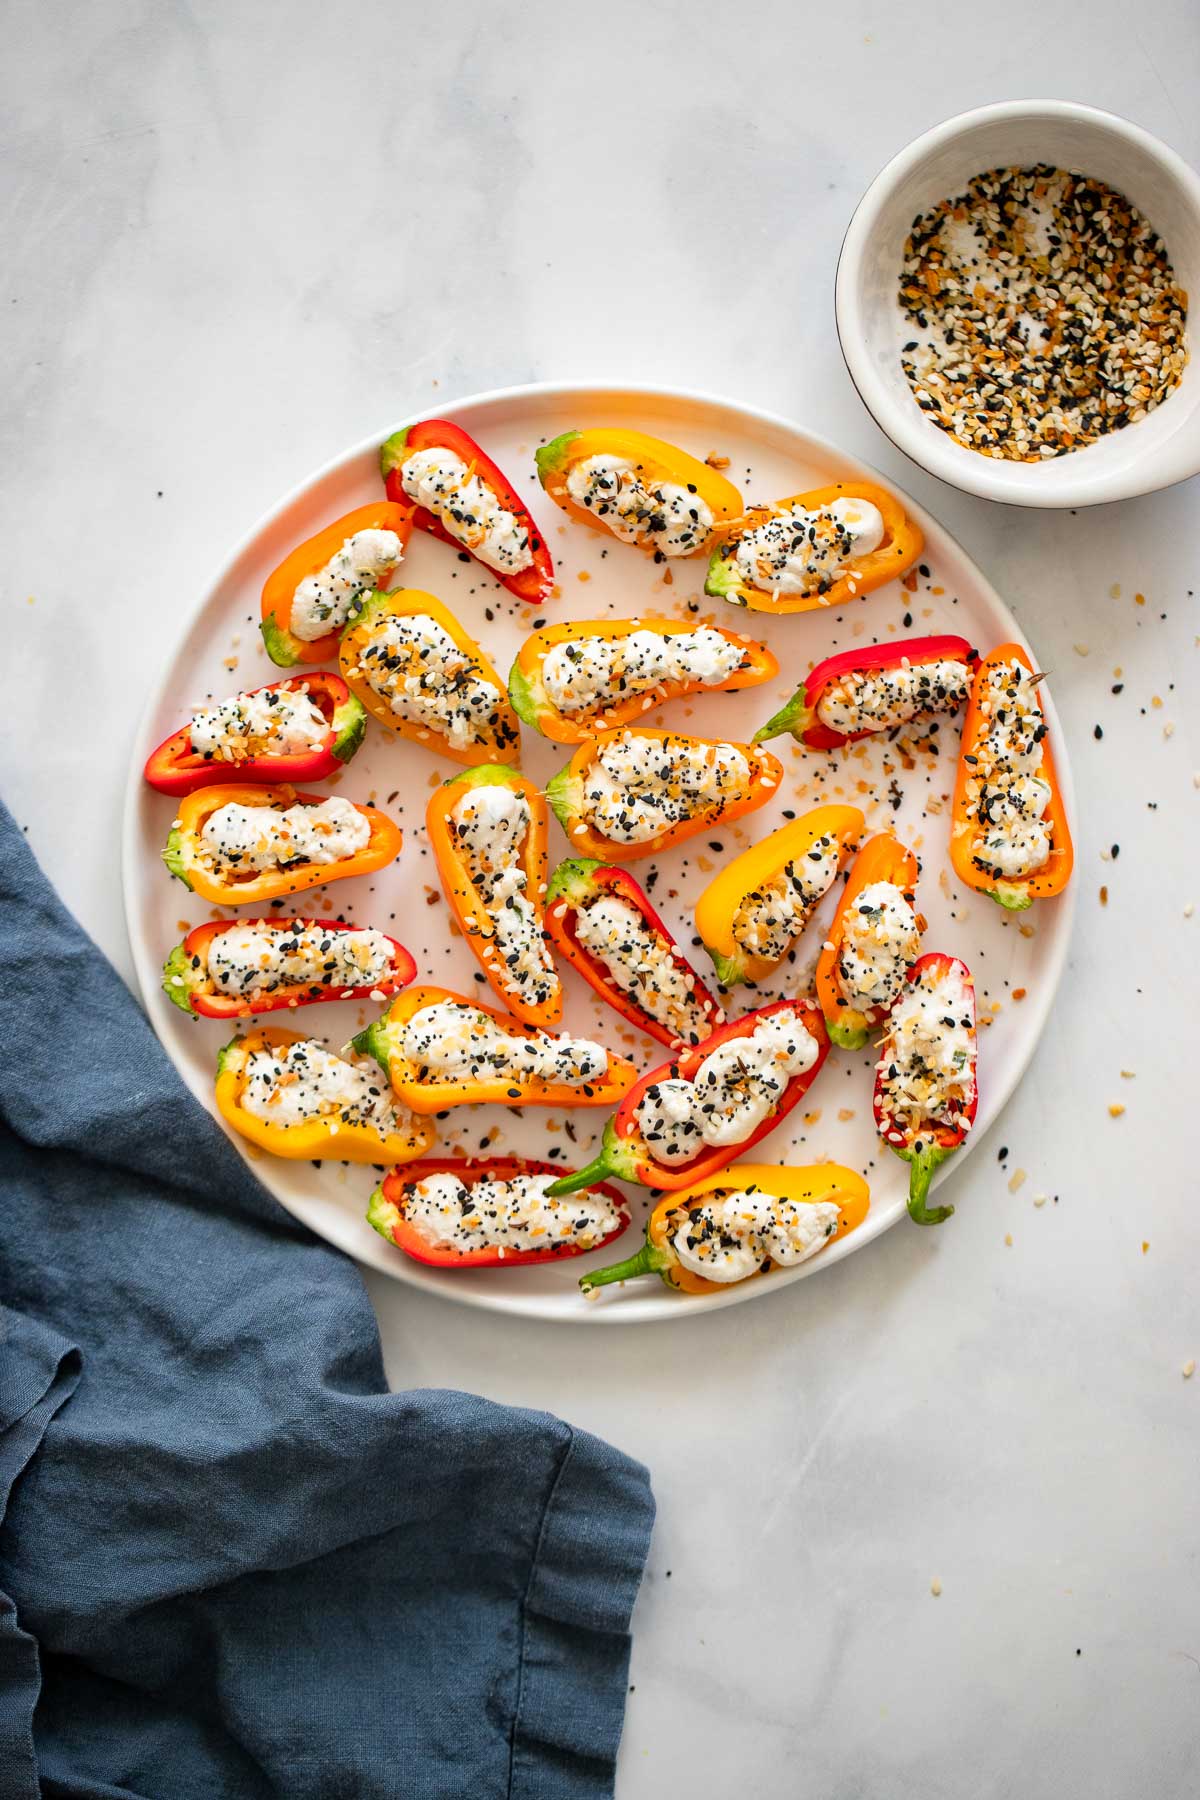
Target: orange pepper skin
(1014, 893)
(384, 1041)
(816, 1182)
(653, 460)
(565, 794)
(474, 919)
(902, 544)
(316, 1140)
(533, 704)
(283, 647)
(181, 853)
(386, 1213)
(882, 858)
(718, 905)
(187, 982)
(502, 742)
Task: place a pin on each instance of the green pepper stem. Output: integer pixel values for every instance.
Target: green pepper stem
(924, 1159)
(599, 1169)
(649, 1260)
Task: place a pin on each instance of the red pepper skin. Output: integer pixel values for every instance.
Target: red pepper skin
(182, 981)
(624, 1155)
(577, 881)
(925, 1150)
(799, 716)
(534, 584)
(385, 1213)
(175, 768)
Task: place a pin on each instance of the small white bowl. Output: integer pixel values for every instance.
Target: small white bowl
(1152, 453)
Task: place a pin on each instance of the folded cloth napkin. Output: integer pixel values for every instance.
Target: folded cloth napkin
(233, 1564)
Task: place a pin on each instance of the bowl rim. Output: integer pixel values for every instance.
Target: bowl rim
(952, 463)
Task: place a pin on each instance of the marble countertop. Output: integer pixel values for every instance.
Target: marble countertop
(236, 245)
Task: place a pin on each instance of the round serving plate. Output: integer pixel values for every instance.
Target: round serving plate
(896, 783)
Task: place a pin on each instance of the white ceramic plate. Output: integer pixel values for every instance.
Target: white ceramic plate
(598, 577)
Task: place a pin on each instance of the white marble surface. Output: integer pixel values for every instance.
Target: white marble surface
(239, 238)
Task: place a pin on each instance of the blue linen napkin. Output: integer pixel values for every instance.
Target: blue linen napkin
(233, 1564)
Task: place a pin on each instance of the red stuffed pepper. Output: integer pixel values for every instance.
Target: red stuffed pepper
(606, 928)
(453, 1212)
(926, 1094)
(231, 968)
(246, 737)
(458, 494)
(708, 1106)
(860, 692)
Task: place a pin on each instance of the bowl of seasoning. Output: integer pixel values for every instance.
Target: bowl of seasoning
(1012, 305)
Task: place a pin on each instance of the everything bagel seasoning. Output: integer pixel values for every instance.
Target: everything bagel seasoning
(1048, 313)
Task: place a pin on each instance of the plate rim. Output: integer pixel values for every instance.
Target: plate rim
(645, 1309)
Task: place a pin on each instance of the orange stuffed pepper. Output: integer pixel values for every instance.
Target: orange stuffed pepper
(308, 598)
(812, 550)
(639, 489)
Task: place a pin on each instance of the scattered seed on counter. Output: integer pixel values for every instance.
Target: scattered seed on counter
(1115, 1109)
(1189, 1368)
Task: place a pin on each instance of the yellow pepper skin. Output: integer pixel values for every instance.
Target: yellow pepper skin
(654, 462)
(718, 905)
(814, 1182)
(318, 1140)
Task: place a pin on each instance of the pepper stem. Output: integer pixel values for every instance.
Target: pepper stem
(614, 1159)
(924, 1159)
(650, 1260)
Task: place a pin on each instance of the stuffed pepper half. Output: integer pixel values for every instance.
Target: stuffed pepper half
(309, 597)
(418, 672)
(638, 489)
(693, 1115)
(751, 914)
(573, 680)
(236, 844)
(873, 941)
(1009, 837)
(605, 926)
(302, 729)
(231, 968)
(294, 1098)
(441, 1049)
(488, 829)
(631, 793)
(458, 494)
(455, 1212)
(818, 549)
(741, 1222)
(926, 1093)
(860, 692)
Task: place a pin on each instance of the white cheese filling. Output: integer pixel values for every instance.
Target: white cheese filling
(491, 824)
(660, 516)
(415, 666)
(640, 786)
(240, 838)
(303, 1082)
(323, 602)
(800, 552)
(452, 1041)
(736, 1088)
(880, 943)
(258, 959)
(642, 966)
(1006, 794)
(734, 1232)
(879, 699)
(928, 1060)
(279, 721)
(590, 673)
(772, 916)
(505, 1216)
(468, 509)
